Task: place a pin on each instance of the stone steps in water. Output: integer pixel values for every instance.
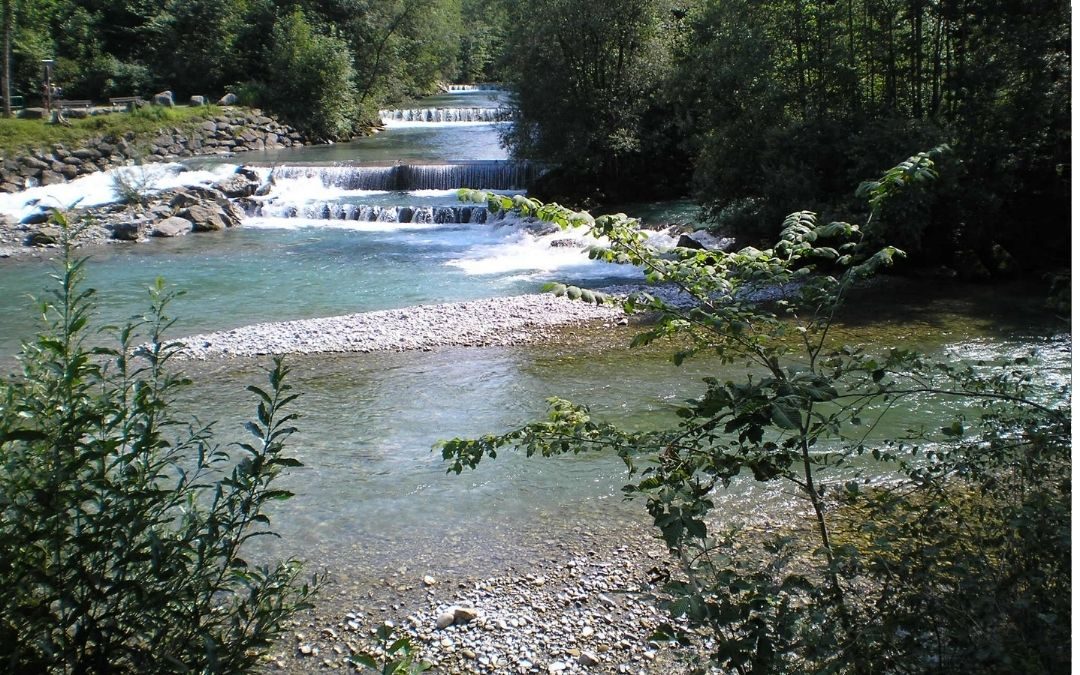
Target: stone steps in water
(437, 215)
(481, 175)
(445, 115)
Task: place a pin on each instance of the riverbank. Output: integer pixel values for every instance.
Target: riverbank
(581, 599)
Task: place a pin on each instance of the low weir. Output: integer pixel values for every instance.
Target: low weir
(487, 175)
(377, 214)
(445, 115)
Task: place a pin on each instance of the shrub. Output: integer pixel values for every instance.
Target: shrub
(124, 527)
(957, 561)
(311, 79)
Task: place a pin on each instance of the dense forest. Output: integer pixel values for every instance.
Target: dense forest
(754, 108)
(326, 66)
(762, 108)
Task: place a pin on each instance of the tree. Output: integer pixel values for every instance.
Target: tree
(854, 586)
(311, 79)
(8, 9)
(584, 79)
(126, 528)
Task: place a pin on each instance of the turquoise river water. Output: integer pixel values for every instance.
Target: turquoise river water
(371, 491)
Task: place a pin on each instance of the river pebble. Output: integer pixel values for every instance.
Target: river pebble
(512, 624)
(490, 322)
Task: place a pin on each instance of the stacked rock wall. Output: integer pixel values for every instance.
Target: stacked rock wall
(232, 131)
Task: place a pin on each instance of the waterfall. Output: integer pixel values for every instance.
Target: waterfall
(486, 175)
(445, 115)
(464, 88)
(440, 215)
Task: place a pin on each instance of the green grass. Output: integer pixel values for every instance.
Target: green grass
(18, 136)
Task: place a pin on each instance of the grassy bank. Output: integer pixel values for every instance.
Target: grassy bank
(17, 136)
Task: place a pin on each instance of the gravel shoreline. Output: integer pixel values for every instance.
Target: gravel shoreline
(585, 606)
(516, 320)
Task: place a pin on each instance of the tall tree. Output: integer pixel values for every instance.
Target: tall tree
(8, 9)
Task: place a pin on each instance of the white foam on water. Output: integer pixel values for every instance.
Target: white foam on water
(271, 223)
(99, 188)
(401, 124)
(529, 257)
(312, 188)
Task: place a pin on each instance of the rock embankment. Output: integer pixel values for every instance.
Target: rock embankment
(167, 213)
(235, 130)
(514, 320)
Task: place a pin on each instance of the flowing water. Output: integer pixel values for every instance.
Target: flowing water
(327, 240)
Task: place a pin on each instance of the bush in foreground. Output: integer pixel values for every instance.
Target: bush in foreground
(942, 549)
(123, 525)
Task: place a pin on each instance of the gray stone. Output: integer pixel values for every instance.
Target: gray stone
(588, 659)
(164, 98)
(32, 113)
(204, 218)
(34, 163)
(464, 615)
(198, 101)
(172, 227)
(702, 240)
(86, 153)
(445, 620)
(129, 230)
(46, 236)
(52, 178)
(229, 99)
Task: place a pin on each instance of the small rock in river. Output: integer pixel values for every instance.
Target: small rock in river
(445, 619)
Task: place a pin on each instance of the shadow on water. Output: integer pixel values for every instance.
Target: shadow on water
(920, 306)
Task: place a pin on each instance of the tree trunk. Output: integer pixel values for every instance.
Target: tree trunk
(5, 60)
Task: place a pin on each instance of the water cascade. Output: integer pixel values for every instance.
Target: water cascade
(467, 88)
(445, 115)
(439, 215)
(489, 175)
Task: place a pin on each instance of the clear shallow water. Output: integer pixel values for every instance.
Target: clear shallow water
(371, 491)
(406, 144)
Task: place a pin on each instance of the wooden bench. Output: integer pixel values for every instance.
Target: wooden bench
(17, 102)
(124, 101)
(65, 103)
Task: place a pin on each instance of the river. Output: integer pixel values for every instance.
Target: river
(371, 492)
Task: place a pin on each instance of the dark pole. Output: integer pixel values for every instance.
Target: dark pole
(48, 84)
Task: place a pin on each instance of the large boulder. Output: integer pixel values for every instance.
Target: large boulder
(172, 227)
(198, 101)
(701, 240)
(238, 185)
(164, 98)
(128, 230)
(45, 236)
(229, 99)
(204, 217)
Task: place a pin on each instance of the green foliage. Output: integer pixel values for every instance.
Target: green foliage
(586, 77)
(874, 577)
(390, 655)
(311, 79)
(133, 184)
(125, 527)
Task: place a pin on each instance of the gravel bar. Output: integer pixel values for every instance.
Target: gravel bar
(479, 323)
